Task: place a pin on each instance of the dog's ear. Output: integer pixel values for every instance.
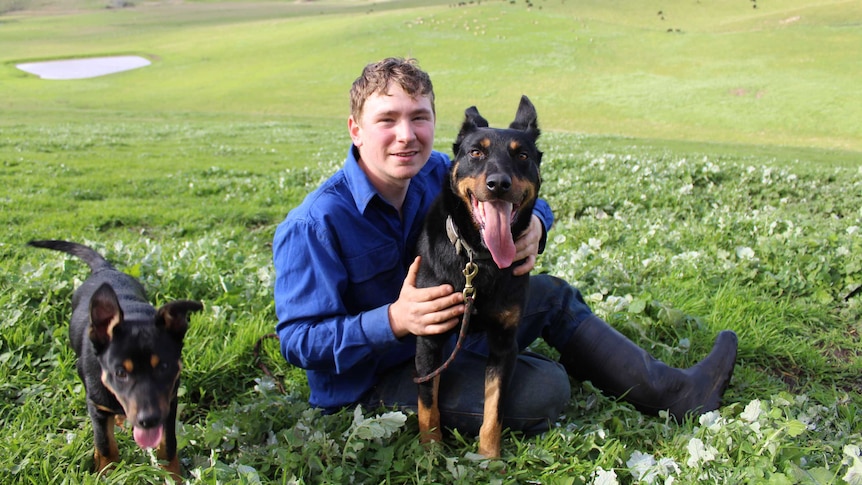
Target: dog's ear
(105, 315)
(472, 116)
(173, 316)
(472, 120)
(526, 118)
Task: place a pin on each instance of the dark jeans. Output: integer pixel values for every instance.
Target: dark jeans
(540, 386)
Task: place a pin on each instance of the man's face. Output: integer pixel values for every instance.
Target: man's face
(394, 135)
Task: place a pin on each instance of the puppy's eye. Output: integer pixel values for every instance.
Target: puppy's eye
(474, 153)
(523, 156)
(121, 374)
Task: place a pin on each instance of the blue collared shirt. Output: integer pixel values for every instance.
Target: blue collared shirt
(340, 258)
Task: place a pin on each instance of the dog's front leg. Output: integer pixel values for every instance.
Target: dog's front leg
(428, 359)
(106, 451)
(167, 450)
(498, 372)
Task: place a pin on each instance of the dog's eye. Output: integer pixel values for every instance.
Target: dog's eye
(474, 153)
(523, 156)
(121, 374)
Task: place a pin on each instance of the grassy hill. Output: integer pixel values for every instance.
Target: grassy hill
(779, 74)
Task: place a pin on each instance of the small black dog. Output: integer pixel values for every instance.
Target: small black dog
(468, 239)
(129, 357)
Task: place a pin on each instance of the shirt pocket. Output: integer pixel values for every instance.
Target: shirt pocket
(375, 277)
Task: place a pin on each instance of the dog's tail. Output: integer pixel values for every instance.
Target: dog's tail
(90, 256)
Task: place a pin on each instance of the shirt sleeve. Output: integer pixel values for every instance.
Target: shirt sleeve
(542, 210)
(315, 330)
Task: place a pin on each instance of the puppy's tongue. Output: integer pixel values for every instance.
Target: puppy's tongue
(148, 438)
(497, 233)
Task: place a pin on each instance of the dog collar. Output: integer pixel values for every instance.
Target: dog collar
(460, 245)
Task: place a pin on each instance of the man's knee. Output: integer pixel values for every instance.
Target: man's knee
(538, 394)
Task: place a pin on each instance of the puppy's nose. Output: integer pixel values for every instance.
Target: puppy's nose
(498, 183)
(149, 419)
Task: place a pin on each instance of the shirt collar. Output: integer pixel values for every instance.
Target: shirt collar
(360, 186)
(362, 190)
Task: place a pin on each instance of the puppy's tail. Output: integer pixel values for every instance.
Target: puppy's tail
(90, 256)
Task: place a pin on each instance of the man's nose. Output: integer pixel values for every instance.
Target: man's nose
(405, 130)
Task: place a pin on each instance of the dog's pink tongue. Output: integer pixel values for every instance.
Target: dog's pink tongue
(148, 438)
(498, 232)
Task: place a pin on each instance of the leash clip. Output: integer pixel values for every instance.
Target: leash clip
(470, 270)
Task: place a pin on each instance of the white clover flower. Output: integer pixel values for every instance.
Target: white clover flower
(852, 230)
(686, 189)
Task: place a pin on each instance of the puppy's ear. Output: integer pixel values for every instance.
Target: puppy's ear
(105, 315)
(173, 316)
(472, 120)
(526, 118)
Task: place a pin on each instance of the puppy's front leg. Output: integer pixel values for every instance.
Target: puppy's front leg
(106, 450)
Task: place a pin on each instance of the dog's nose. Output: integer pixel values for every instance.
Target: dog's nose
(149, 419)
(498, 183)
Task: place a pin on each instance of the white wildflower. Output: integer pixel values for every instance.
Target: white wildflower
(640, 464)
(699, 453)
(686, 189)
(852, 230)
(603, 477)
(711, 420)
(752, 411)
(854, 460)
(744, 252)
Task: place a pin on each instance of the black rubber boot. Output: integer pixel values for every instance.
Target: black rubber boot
(614, 364)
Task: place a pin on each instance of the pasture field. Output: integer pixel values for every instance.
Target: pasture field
(702, 179)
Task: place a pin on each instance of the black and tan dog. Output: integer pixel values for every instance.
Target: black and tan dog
(129, 357)
(469, 232)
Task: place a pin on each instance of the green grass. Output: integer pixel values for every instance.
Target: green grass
(682, 209)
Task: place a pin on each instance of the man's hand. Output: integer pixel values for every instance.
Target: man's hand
(424, 311)
(527, 247)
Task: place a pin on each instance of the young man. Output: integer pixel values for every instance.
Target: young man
(349, 310)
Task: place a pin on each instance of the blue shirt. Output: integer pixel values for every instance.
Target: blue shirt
(340, 258)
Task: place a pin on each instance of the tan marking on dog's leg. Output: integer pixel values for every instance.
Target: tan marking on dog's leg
(113, 456)
(491, 431)
(172, 465)
(510, 317)
(429, 418)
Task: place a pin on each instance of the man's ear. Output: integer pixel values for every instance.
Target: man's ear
(353, 128)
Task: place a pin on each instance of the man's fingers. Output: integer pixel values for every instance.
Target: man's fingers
(412, 271)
